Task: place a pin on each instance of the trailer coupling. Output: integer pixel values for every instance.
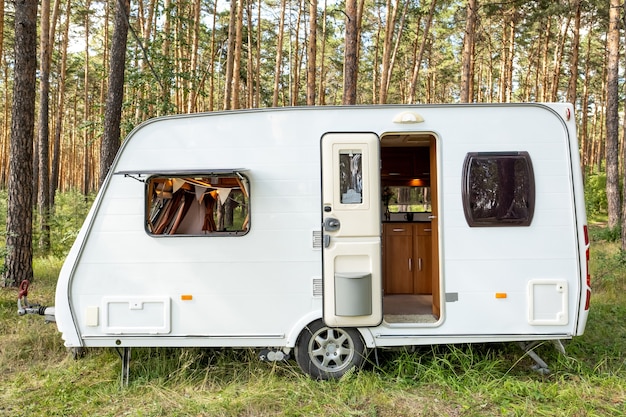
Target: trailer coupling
(24, 307)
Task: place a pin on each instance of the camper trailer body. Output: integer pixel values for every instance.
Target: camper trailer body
(245, 228)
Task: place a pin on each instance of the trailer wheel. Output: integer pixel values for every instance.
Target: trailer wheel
(329, 352)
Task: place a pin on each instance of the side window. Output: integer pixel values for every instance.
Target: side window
(498, 189)
(197, 205)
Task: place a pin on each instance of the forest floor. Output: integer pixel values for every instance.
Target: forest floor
(39, 377)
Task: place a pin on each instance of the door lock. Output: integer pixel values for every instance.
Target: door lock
(331, 224)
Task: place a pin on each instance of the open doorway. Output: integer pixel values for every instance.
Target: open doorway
(411, 281)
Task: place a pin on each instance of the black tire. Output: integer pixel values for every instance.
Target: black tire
(329, 352)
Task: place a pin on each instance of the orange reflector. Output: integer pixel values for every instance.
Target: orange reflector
(186, 297)
(500, 295)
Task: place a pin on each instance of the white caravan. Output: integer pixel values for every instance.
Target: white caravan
(325, 232)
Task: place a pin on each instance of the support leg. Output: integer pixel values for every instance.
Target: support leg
(540, 366)
(125, 356)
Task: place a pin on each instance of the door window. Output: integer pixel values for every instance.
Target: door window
(351, 177)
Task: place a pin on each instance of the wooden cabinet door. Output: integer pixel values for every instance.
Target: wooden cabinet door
(423, 259)
(398, 259)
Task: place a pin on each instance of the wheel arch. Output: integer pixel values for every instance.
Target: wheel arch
(296, 330)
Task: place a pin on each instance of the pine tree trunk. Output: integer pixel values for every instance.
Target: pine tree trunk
(558, 60)
(623, 231)
(86, 102)
(115, 94)
(167, 81)
(584, 129)
(351, 66)
(394, 52)
(573, 77)
(295, 69)
(250, 66)
(19, 254)
(544, 63)
(311, 54)
(43, 197)
(279, 52)
(322, 87)
(230, 56)
(418, 61)
(612, 116)
(212, 60)
(257, 77)
(2, 34)
(468, 48)
(237, 54)
(191, 102)
(4, 134)
(58, 126)
(390, 21)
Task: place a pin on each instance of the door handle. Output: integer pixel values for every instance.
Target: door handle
(331, 224)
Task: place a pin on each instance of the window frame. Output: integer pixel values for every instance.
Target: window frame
(467, 187)
(237, 174)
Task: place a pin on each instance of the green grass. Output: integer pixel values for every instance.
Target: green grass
(38, 377)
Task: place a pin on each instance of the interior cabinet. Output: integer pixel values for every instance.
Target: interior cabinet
(405, 163)
(398, 258)
(407, 254)
(422, 251)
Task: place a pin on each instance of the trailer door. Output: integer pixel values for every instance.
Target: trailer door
(351, 223)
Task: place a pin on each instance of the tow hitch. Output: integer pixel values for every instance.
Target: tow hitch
(24, 307)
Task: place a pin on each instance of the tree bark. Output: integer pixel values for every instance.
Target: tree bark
(193, 86)
(394, 52)
(418, 61)
(295, 66)
(212, 59)
(311, 54)
(115, 94)
(237, 54)
(58, 125)
(166, 98)
(612, 116)
(257, 77)
(322, 86)
(249, 66)
(558, 59)
(468, 49)
(279, 52)
(43, 197)
(19, 254)
(623, 229)
(1, 28)
(86, 102)
(390, 22)
(506, 64)
(230, 56)
(573, 67)
(351, 65)
(4, 143)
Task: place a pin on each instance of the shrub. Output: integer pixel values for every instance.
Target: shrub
(595, 194)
